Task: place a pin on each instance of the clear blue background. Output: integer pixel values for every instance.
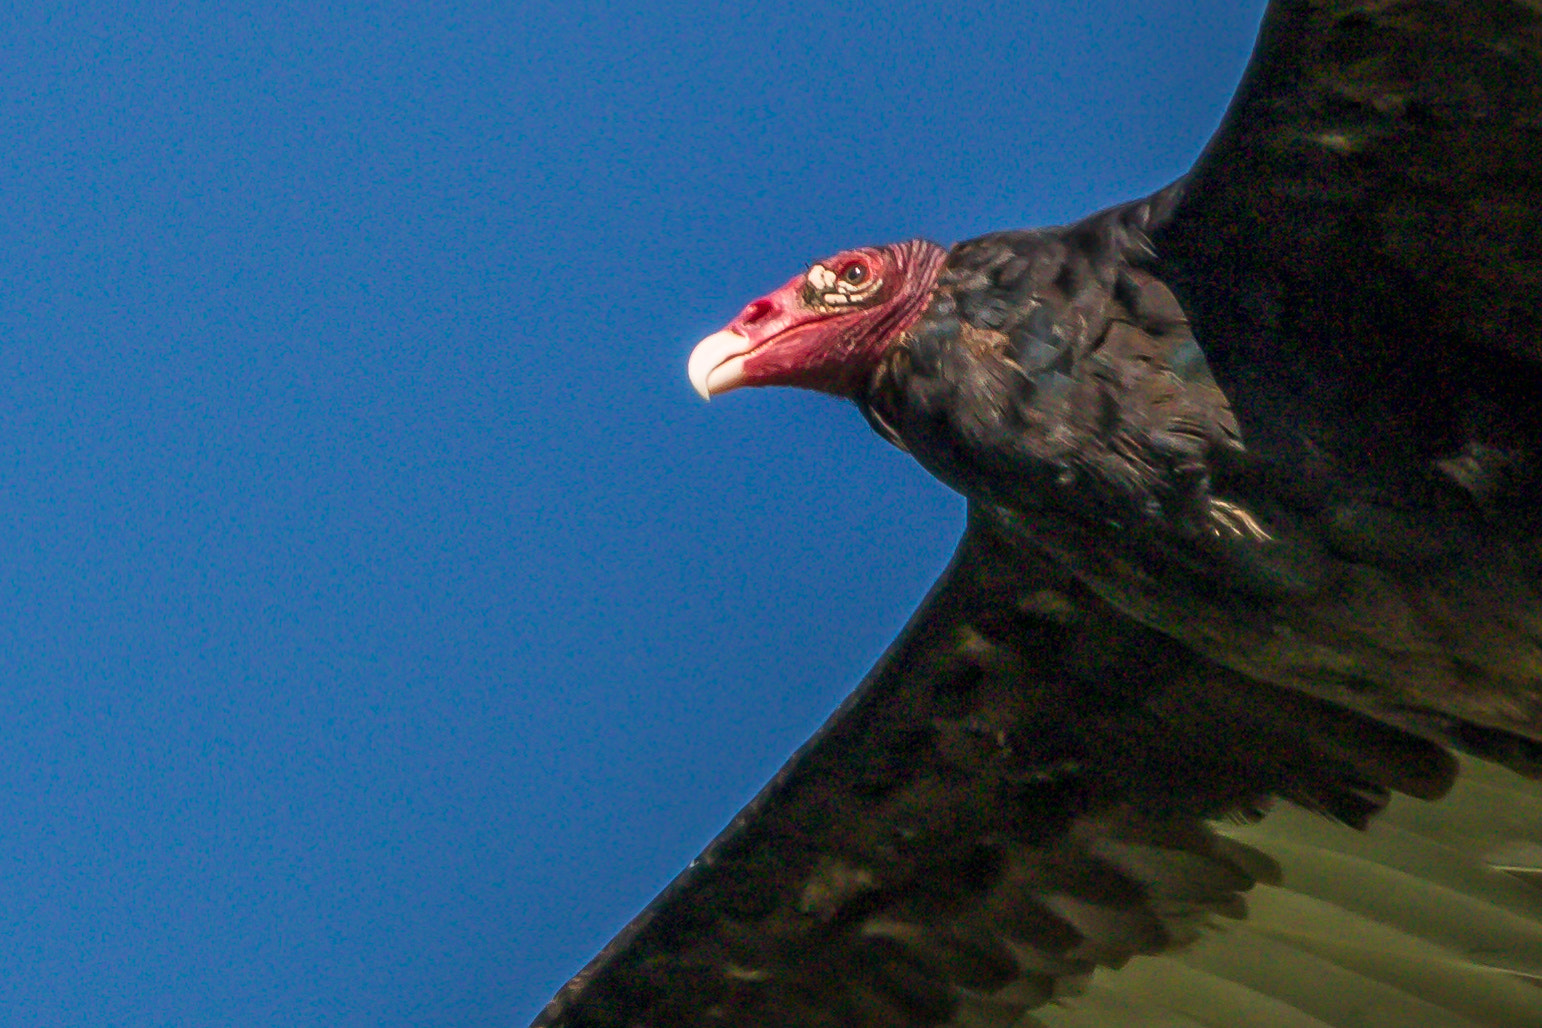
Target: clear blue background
(385, 620)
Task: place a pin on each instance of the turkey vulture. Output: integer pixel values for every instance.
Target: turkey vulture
(1251, 575)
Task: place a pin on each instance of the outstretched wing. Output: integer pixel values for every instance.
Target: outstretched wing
(1373, 192)
(1020, 793)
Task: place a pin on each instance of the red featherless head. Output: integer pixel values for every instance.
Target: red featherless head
(827, 328)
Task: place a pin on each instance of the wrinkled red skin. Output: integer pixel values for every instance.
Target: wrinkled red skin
(799, 341)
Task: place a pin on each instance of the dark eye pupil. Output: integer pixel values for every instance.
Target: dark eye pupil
(856, 273)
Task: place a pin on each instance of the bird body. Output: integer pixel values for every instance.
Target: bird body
(1056, 379)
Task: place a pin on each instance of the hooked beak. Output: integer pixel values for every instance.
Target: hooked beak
(717, 363)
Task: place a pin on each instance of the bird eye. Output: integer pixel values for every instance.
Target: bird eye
(856, 274)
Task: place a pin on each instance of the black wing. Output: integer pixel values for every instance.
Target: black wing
(1022, 792)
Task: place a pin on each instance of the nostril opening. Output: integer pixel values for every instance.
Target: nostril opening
(755, 311)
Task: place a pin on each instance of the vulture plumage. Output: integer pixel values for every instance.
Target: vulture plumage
(1251, 576)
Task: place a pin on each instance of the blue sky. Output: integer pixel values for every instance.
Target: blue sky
(386, 620)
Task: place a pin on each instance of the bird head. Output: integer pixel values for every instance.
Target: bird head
(827, 328)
